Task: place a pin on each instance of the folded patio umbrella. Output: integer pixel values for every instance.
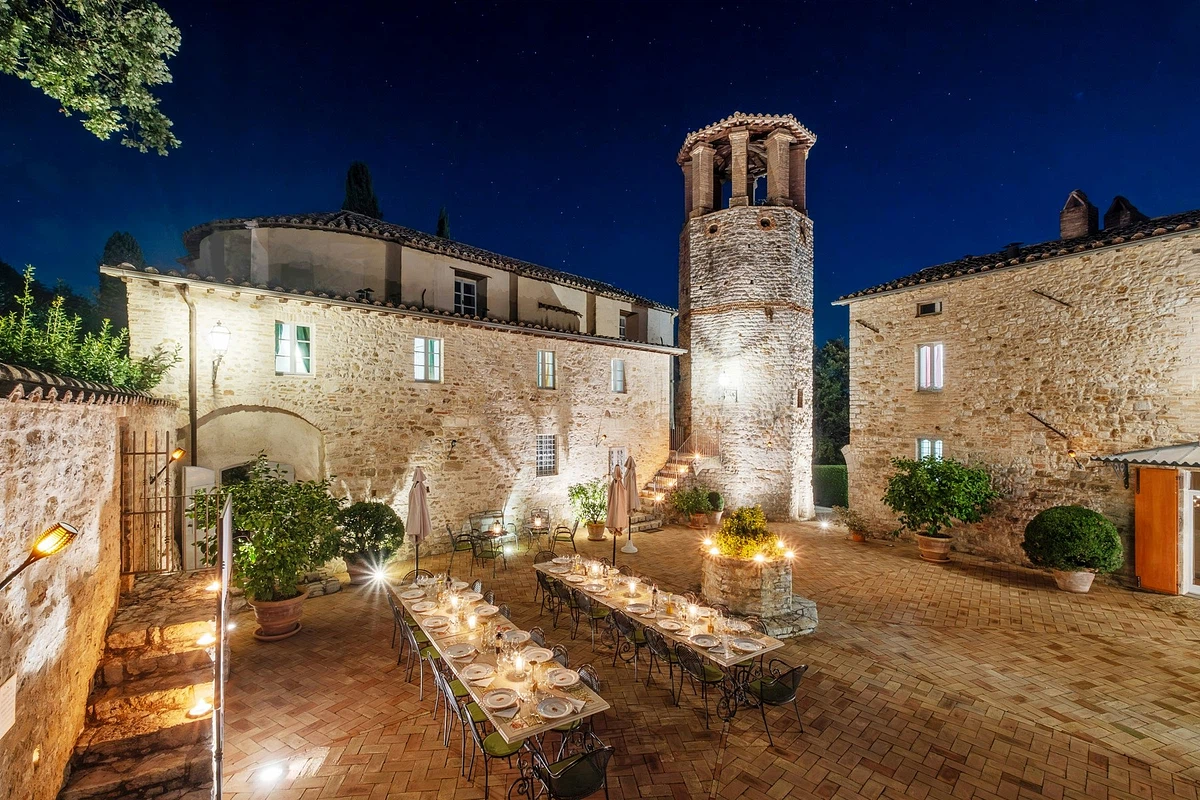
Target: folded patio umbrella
(418, 524)
(618, 507)
(635, 500)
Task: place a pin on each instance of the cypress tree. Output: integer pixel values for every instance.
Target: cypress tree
(360, 196)
(120, 248)
(443, 226)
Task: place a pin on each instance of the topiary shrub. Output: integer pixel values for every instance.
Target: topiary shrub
(715, 501)
(744, 534)
(371, 531)
(929, 494)
(1072, 539)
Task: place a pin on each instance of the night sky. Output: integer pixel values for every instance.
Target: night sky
(549, 130)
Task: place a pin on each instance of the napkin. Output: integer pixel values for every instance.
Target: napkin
(508, 713)
(483, 683)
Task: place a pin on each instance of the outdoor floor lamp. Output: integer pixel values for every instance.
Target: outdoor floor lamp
(52, 540)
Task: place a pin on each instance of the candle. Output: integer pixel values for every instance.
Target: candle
(472, 621)
(537, 522)
(518, 663)
(454, 601)
(693, 610)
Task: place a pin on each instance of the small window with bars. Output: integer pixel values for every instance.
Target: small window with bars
(929, 448)
(545, 369)
(618, 375)
(427, 359)
(293, 349)
(931, 360)
(546, 456)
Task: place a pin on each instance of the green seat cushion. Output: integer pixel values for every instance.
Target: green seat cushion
(638, 637)
(568, 727)
(477, 715)
(600, 612)
(421, 638)
(462, 547)
(430, 652)
(711, 674)
(459, 690)
(770, 692)
(495, 746)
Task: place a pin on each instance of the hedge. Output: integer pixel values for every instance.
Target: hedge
(830, 487)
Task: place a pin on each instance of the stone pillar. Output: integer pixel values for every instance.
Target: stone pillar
(260, 269)
(687, 189)
(702, 180)
(798, 155)
(779, 162)
(739, 138)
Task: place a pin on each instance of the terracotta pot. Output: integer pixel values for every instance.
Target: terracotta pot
(934, 548)
(278, 619)
(857, 536)
(595, 531)
(714, 518)
(1077, 582)
(698, 521)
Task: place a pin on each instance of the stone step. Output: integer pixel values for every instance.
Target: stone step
(129, 664)
(652, 524)
(152, 694)
(176, 773)
(139, 735)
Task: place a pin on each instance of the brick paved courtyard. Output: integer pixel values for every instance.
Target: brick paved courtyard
(970, 680)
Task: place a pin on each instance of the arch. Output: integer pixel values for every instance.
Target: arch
(236, 434)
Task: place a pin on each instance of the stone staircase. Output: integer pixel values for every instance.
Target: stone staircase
(144, 737)
(654, 493)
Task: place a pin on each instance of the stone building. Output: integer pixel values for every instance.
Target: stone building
(359, 350)
(745, 316)
(1048, 364)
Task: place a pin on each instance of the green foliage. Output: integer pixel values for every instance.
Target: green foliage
(831, 402)
(443, 224)
(98, 58)
(691, 501)
(123, 248)
(715, 501)
(50, 339)
(853, 521)
(830, 485)
(590, 500)
(930, 494)
(360, 194)
(12, 287)
(283, 529)
(370, 528)
(1073, 538)
(744, 534)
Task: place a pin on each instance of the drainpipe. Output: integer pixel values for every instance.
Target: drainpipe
(187, 298)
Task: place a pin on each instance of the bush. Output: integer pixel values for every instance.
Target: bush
(1073, 538)
(691, 501)
(715, 501)
(370, 530)
(830, 485)
(590, 500)
(854, 522)
(744, 534)
(930, 494)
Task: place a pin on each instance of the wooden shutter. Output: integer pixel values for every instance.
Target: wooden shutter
(1156, 530)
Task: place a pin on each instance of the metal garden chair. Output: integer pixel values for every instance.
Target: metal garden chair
(594, 613)
(629, 636)
(460, 543)
(699, 671)
(661, 652)
(577, 776)
(564, 534)
(777, 690)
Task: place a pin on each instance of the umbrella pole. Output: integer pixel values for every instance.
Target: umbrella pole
(417, 550)
(614, 560)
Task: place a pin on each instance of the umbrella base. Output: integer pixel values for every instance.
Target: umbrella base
(629, 548)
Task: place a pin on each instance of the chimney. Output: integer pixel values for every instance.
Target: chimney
(1122, 213)
(1078, 217)
(1012, 249)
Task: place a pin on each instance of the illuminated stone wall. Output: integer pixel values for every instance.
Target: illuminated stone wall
(1115, 365)
(58, 462)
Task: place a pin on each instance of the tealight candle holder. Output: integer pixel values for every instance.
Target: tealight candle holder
(472, 621)
(518, 668)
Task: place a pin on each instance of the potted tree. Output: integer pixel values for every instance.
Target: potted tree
(855, 523)
(1075, 544)
(692, 503)
(716, 505)
(371, 532)
(282, 528)
(590, 501)
(930, 494)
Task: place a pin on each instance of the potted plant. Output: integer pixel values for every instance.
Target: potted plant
(745, 534)
(930, 494)
(1074, 543)
(590, 501)
(693, 503)
(855, 523)
(282, 528)
(716, 505)
(371, 532)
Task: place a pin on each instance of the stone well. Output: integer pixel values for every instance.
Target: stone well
(760, 589)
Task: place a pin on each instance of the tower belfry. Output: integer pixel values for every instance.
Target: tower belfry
(745, 309)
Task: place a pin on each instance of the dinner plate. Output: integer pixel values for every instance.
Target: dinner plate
(460, 650)
(471, 597)
(737, 626)
(497, 699)
(413, 594)
(516, 637)
(670, 625)
(574, 578)
(554, 708)
(424, 607)
(476, 672)
(562, 678)
(436, 623)
(746, 645)
(457, 585)
(595, 587)
(484, 610)
(562, 560)
(557, 569)
(705, 640)
(537, 654)
(637, 608)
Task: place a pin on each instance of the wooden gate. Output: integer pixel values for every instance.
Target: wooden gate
(1156, 530)
(147, 538)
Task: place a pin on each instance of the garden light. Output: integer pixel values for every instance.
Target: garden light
(759, 557)
(714, 551)
(176, 454)
(789, 555)
(824, 523)
(201, 708)
(207, 640)
(53, 540)
(708, 542)
(215, 586)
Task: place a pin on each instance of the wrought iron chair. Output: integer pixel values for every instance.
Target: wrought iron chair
(699, 671)
(661, 652)
(576, 776)
(549, 598)
(477, 585)
(412, 574)
(460, 543)
(777, 690)
(580, 727)
(487, 548)
(491, 745)
(564, 534)
(541, 557)
(489, 597)
(541, 530)
(629, 636)
(594, 613)
(537, 636)
(566, 602)
(502, 611)
(625, 569)
(560, 655)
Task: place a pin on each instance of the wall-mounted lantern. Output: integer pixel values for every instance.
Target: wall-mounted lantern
(176, 454)
(218, 342)
(53, 540)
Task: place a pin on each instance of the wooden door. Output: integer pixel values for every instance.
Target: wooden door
(1156, 530)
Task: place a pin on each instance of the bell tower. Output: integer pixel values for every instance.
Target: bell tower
(745, 309)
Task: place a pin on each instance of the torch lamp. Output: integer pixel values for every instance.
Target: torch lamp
(176, 454)
(52, 540)
(218, 342)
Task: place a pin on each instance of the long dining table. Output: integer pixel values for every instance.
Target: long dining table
(461, 647)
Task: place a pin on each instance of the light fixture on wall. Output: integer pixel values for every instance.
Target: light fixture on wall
(176, 454)
(601, 438)
(53, 540)
(1080, 461)
(218, 343)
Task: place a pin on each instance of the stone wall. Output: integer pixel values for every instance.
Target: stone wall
(473, 433)
(746, 321)
(59, 461)
(1110, 359)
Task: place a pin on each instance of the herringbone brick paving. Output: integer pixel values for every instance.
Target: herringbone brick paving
(969, 680)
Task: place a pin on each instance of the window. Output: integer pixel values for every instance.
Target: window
(930, 360)
(623, 327)
(293, 349)
(545, 369)
(547, 454)
(929, 309)
(427, 359)
(618, 375)
(466, 296)
(927, 448)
